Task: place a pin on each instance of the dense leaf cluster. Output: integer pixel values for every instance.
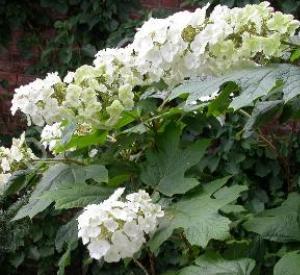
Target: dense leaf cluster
(227, 180)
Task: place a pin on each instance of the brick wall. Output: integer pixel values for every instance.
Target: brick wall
(12, 75)
(167, 4)
(13, 67)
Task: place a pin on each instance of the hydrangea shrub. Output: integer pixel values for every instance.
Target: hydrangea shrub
(154, 120)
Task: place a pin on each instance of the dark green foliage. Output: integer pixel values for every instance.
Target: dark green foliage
(246, 221)
(211, 264)
(205, 223)
(27, 248)
(81, 28)
(288, 264)
(241, 216)
(165, 167)
(226, 174)
(280, 224)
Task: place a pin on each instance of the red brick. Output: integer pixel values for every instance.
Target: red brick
(35, 51)
(170, 3)
(13, 45)
(7, 66)
(184, 6)
(4, 54)
(22, 65)
(135, 16)
(151, 3)
(14, 67)
(7, 91)
(23, 79)
(4, 93)
(10, 77)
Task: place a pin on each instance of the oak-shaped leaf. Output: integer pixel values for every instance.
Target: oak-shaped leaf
(165, 167)
(213, 264)
(289, 264)
(55, 178)
(199, 215)
(280, 224)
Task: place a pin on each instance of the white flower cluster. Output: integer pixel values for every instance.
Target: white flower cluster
(190, 44)
(51, 135)
(37, 100)
(115, 229)
(89, 95)
(14, 158)
(169, 50)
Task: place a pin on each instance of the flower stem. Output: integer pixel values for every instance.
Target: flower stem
(139, 264)
(152, 262)
(66, 160)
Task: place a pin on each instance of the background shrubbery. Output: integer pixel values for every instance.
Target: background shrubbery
(257, 146)
(79, 29)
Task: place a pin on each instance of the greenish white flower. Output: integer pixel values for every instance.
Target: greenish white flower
(282, 23)
(15, 158)
(93, 153)
(114, 111)
(51, 136)
(69, 77)
(36, 99)
(126, 96)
